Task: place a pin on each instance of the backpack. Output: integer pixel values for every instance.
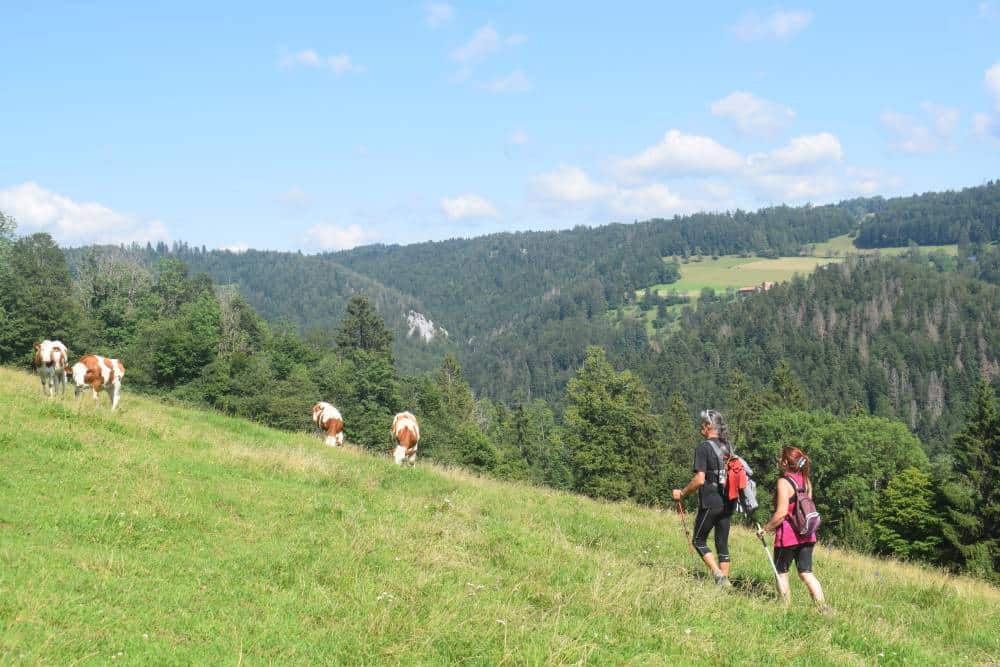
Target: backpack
(805, 519)
(736, 479)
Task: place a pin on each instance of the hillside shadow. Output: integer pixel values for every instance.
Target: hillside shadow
(752, 586)
(743, 584)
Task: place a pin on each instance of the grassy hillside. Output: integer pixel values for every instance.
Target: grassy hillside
(165, 534)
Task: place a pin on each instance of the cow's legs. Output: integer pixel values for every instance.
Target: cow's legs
(399, 454)
(116, 392)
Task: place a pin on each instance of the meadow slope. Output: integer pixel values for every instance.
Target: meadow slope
(171, 535)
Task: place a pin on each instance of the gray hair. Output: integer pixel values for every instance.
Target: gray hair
(714, 419)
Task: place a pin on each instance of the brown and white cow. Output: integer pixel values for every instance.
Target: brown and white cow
(329, 419)
(51, 357)
(98, 373)
(406, 431)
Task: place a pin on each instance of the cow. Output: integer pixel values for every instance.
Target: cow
(98, 373)
(406, 432)
(51, 357)
(329, 419)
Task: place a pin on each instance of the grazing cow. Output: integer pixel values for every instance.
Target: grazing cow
(328, 418)
(50, 363)
(406, 432)
(97, 373)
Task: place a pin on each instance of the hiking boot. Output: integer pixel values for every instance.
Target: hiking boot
(722, 581)
(824, 609)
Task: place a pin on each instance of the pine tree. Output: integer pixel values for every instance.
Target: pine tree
(612, 434)
(785, 390)
(363, 329)
(743, 406)
(974, 497)
(373, 395)
(680, 438)
(905, 524)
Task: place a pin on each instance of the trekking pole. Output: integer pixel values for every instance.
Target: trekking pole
(687, 534)
(767, 552)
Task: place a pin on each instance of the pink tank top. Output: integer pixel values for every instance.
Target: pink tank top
(786, 536)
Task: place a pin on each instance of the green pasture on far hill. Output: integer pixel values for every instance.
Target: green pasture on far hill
(163, 534)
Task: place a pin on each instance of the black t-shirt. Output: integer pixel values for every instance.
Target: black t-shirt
(706, 461)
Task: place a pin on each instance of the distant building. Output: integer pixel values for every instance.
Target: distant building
(763, 287)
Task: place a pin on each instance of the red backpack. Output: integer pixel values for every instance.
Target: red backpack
(805, 518)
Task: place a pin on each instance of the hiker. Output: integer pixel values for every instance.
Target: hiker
(794, 467)
(714, 509)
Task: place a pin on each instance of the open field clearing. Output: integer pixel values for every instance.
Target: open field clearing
(164, 534)
(733, 272)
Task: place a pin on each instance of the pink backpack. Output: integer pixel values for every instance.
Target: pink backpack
(805, 518)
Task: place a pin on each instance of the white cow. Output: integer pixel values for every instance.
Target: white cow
(50, 363)
(329, 419)
(98, 373)
(406, 431)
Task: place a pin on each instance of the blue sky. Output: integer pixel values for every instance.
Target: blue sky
(319, 126)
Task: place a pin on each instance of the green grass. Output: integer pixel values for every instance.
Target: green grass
(168, 535)
(733, 272)
(844, 245)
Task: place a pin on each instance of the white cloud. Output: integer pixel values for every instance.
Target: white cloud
(753, 115)
(306, 58)
(485, 42)
(517, 137)
(39, 210)
(993, 84)
(238, 248)
(800, 152)
(437, 14)
(467, 206)
(682, 154)
(945, 119)
(778, 25)
(568, 190)
(515, 82)
(826, 183)
(332, 237)
(567, 184)
(870, 181)
(650, 201)
(915, 136)
(341, 64)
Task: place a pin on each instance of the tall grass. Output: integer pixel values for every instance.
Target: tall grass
(161, 534)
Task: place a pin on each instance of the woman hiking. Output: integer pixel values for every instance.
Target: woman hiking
(789, 546)
(714, 511)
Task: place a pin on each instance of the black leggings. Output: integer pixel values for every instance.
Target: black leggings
(802, 554)
(707, 519)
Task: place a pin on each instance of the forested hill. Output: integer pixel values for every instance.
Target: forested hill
(477, 285)
(308, 291)
(935, 218)
(894, 337)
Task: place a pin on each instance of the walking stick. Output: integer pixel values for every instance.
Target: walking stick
(770, 558)
(687, 534)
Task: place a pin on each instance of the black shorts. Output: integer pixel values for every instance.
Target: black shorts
(802, 554)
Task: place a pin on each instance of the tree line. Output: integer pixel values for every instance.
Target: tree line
(971, 215)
